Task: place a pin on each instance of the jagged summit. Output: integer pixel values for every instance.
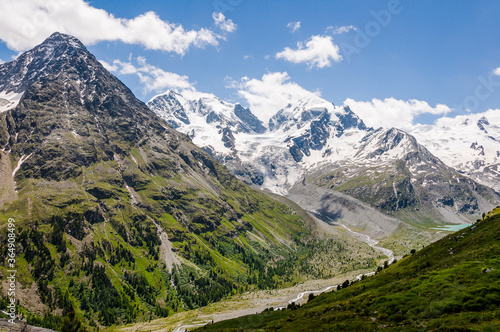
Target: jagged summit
(63, 94)
(58, 44)
(40, 60)
(58, 38)
(56, 54)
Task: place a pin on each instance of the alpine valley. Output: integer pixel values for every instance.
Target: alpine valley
(451, 285)
(127, 212)
(120, 218)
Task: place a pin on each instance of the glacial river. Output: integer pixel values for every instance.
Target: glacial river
(360, 236)
(364, 238)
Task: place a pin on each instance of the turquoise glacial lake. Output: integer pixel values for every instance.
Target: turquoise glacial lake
(452, 228)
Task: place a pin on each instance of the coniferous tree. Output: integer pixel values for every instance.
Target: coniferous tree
(72, 324)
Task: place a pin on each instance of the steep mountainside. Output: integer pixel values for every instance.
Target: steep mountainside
(395, 174)
(451, 285)
(119, 217)
(316, 142)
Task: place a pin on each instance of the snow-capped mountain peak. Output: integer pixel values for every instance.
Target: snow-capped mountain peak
(314, 140)
(300, 137)
(208, 120)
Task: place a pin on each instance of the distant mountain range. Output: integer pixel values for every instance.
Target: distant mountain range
(331, 147)
(470, 144)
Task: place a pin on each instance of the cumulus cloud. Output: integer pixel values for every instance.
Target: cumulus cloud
(1, 61)
(342, 29)
(110, 67)
(293, 26)
(318, 51)
(423, 131)
(273, 92)
(392, 112)
(153, 79)
(26, 23)
(493, 116)
(224, 23)
(496, 71)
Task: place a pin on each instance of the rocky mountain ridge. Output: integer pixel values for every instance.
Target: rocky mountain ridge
(332, 147)
(18, 75)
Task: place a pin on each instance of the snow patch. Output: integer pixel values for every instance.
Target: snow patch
(19, 163)
(9, 100)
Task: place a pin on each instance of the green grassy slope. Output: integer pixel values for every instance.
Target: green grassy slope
(101, 256)
(84, 245)
(451, 285)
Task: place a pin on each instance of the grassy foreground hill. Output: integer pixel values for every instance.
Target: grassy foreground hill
(451, 285)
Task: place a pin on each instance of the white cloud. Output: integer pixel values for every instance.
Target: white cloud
(493, 117)
(1, 61)
(110, 67)
(318, 51)
(224, 24)
(293, 26)
(392, 112)
(443, 125)
(496, 71)
(248, 57)
(151, 77)
(342, 29)
(26, 23)
(273, 92)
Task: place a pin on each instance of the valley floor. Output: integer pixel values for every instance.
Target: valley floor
(257, 301)
(237, 306)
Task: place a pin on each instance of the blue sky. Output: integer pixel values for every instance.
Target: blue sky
(425, 59)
